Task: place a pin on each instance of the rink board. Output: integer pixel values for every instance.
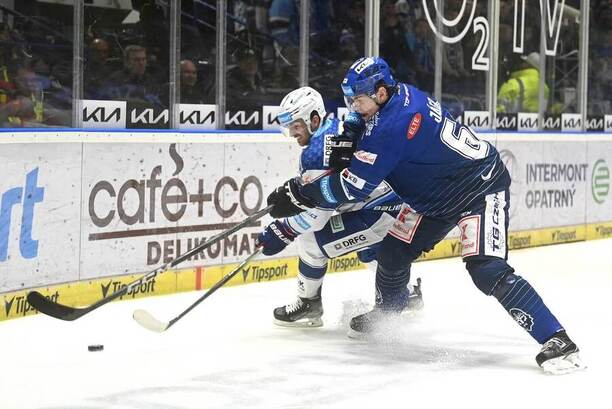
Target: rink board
(87, 212)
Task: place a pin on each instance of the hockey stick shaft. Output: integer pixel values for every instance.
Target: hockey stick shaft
(151, 323)
(218, 285)
(67, 313)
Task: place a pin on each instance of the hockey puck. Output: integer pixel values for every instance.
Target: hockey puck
(94, 348)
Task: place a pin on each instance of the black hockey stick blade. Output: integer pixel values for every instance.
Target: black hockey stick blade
(53, 309)
(67, 313)
(148, 321)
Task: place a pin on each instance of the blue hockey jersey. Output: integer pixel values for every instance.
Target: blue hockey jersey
(436, 165)
(314, 161)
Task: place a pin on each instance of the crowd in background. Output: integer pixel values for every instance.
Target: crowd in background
(127, 54)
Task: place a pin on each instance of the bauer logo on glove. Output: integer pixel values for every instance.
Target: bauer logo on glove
(275, 238)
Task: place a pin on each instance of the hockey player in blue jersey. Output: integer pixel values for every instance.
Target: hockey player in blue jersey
(446, 177)
(323, 234)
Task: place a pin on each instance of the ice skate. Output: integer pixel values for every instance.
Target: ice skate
(559, 355)
(415, 300)
(303, 313)
(372, 323)
(380, 320)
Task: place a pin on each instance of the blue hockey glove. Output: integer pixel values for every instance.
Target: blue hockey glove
(343, 146)
(288, 200)
(275, 238)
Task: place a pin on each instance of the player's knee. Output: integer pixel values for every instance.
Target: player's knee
(488, 274)
(310, 252)
(504, 285)
(367, 254)
(386, 272)
(312, 271)
(394, 254)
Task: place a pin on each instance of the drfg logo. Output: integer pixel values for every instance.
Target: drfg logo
(350, 242)
(27, 197)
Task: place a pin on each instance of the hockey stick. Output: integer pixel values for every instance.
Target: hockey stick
(145, 319)
(67, 313)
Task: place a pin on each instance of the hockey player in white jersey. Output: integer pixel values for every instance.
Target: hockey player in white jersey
(322, 234)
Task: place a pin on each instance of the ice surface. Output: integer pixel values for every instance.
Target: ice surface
(463, 351)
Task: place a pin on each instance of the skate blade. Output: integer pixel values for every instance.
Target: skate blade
(415, 306)
(303, 323)
(563, 365)
(361, 336)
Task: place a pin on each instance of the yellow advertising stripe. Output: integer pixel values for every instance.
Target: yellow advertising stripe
(87, 292)
(601, 230)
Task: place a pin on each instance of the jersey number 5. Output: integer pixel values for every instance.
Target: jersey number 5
(463, 141)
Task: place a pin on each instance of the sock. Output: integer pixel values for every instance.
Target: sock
(310, 279)
(526, 307)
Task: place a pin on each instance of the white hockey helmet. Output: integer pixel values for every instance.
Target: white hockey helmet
(300, 104)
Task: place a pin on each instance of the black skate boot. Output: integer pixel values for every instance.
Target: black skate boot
(371, 323)
(559, 355)
(383, 320)
(305, 313)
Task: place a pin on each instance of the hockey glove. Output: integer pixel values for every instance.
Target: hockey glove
(275, 238)
(343, 146)
(342, 149)
(288, 200)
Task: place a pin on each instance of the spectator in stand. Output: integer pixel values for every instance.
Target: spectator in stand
(58, 95)
(600, 90)
(192, 90)
(244, 80)
(284, 21)
(393, 45)
(134, 83)
(421, 44)
(26, 109)
(602, 13)
(457, 79)
(97, 68)
(520, 93)
(7, 59)
(351, 17)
